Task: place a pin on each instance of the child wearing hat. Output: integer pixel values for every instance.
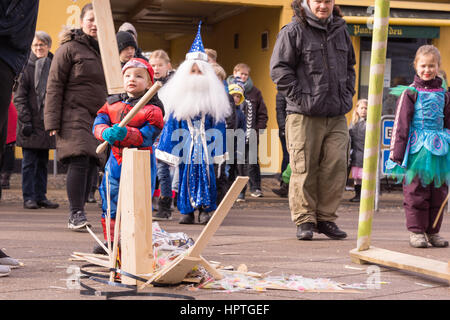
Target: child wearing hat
(236, 165)
(140, 133)
(255, 112)
(193, 137)
(127, 46)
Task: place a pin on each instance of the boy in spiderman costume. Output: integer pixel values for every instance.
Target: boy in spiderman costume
(140, 132)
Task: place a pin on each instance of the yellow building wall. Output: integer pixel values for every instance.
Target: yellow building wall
(443, 44)
(53, 15)
(149, 41)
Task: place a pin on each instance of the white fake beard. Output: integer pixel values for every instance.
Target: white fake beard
(188, 95)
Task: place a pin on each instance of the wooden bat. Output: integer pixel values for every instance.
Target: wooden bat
(146, 98)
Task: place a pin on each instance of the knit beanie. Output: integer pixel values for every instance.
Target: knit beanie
(124, 40)
(235, 88)
(128, 27)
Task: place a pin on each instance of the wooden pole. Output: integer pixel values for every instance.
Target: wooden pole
(371, 151)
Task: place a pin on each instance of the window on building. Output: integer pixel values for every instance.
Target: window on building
(236, 41)
(265, 40)
(399, 68)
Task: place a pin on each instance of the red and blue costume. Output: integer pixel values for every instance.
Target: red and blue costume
(142, 132)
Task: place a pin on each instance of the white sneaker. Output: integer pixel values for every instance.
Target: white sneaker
(240, 198)
(78, 221)
(4, 271)
(257, 193)
(417, 240)
(10, 262)
(435, 240)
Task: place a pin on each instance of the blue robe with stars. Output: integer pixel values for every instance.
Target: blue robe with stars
(194, 145)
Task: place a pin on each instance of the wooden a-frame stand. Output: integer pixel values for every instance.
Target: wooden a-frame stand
(133, 221)
(134, 217)
(176, 271)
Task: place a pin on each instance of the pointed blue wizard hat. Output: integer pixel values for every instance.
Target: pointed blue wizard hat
(197, 51)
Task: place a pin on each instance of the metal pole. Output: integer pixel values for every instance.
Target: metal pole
(55, 163)
(371, 151)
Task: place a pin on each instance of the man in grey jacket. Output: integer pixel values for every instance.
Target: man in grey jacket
(312, 65)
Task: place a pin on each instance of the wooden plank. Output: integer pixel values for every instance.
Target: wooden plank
(98, 240)
(174, 272)
(217, 218)
(109, 49)
(211, 269)
(136, 215)
(95, 255)
(402, 261)
(96, 261)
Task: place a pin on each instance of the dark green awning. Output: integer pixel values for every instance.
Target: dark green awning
(362, 30)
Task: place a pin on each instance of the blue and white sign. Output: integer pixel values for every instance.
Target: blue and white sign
(387, 126)
(384, 159)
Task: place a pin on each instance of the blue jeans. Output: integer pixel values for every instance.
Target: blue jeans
(165, 181)
(34, 174)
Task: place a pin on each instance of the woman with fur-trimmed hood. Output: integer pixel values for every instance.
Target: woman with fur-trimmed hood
(76, 90)
(312, 65)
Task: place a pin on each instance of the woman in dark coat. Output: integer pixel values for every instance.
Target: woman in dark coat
(76, 90)
(31, 135)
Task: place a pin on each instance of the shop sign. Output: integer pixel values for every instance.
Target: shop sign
(394, 31)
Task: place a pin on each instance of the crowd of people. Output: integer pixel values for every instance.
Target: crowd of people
(62, 102)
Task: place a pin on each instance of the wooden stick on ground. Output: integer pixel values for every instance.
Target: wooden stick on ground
(440, 210)
(108, 212)
(98, 240)
(115, 243)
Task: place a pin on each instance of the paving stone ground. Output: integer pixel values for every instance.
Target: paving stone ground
(258, 233)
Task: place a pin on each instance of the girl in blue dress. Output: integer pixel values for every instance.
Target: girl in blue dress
(419, 151)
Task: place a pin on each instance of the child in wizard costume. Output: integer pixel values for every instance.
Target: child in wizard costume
(419, 151)
(193, 137)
